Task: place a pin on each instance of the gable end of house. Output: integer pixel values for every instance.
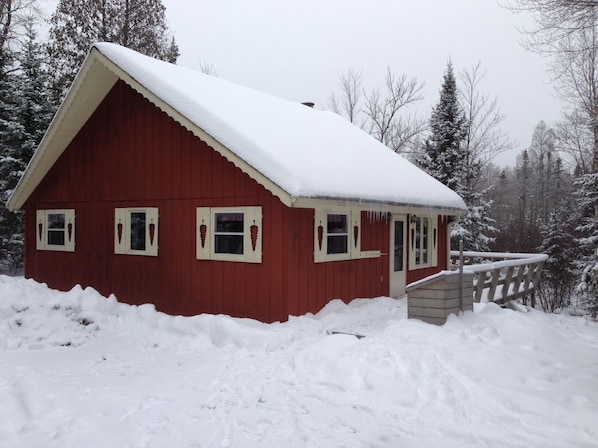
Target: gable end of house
(94, 81)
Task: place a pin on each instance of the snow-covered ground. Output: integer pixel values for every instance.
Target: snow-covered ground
(80, 370)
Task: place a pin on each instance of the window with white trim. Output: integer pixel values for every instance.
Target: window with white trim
(55, 230)
(423, 241)
(337, 235)
(136, 231)
(229, 234)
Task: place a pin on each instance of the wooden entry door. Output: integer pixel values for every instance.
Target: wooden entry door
(398, 255)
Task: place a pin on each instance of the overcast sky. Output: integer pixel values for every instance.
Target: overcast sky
(298, 49)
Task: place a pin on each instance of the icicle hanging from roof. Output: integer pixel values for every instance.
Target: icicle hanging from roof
(377, 212)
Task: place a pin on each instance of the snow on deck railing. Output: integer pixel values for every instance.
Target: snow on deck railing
(516, 274)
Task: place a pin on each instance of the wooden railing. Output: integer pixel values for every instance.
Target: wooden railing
(501, 277)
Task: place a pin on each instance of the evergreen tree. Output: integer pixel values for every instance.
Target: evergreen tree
(27, 114)
(9, 130)
(444, 157)
(77, 24)
(34, 111)
(502, 209)
(447, 159)
(528, 230)
(588, 288)
(477, 225)
(587, 199)
(559, 275)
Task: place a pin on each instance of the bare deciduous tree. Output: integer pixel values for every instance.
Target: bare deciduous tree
(484, 139)
(351, 90)
(386, 118)
(575, 67)
(382, 113)
(14, 15)
(575, 140)
(567, 31)
(555, 20)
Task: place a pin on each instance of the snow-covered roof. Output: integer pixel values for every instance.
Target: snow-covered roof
(302, 152)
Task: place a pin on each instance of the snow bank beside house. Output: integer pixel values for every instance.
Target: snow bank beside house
(78, 369)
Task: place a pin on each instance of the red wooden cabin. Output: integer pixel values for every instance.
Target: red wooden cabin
(167, 186)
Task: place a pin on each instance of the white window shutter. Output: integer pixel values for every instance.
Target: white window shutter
(120, 230)
(253, 234)
(203, 231)
(40, 230)
(151, 231)
(354, 231)
(320, 240)
(69, 237)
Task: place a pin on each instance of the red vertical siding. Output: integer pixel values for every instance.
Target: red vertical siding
(312, 285)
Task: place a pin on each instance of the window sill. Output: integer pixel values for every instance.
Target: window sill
(421, 266)
(137, 253)
(370, 254)
(332, 257)
(234, 258)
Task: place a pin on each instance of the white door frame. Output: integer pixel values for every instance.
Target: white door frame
(398, 278)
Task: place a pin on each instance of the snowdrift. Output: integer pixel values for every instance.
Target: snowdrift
(79, 369)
